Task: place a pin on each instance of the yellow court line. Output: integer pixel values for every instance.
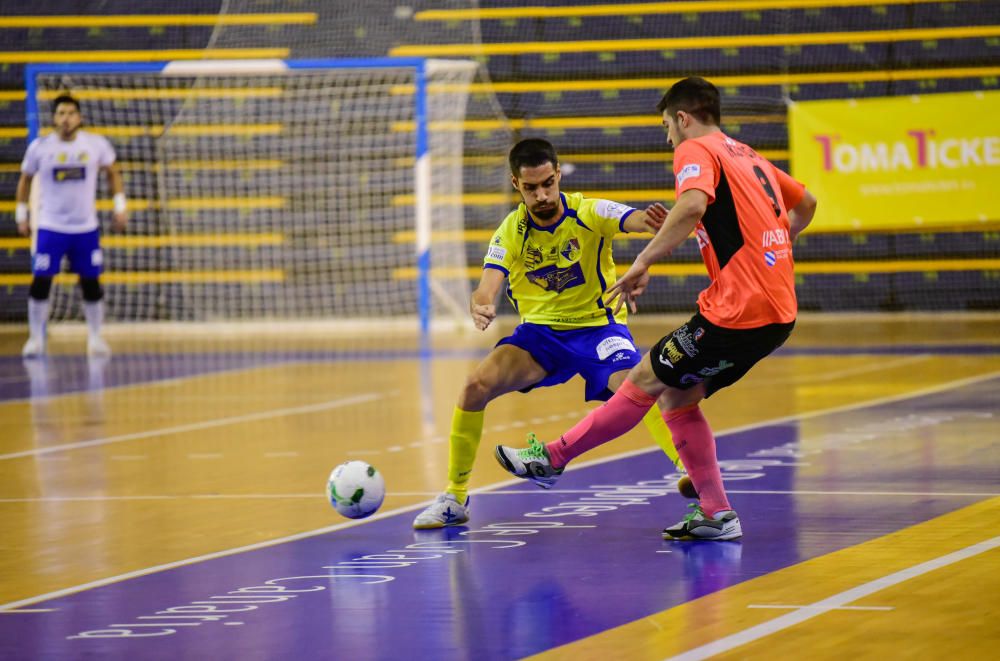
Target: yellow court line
(757, 80)
(599, 122)
(180, 240)
(648, 8)
(232, 164)
(187, 203)
(194, 130)
(84, 94)
(811, 582)
(687, 269)
(691, 43)
(189, 130)
(158, 277)
(610, 157)
(488, 199)
(58, 56)
(156, 20)
(482, 235)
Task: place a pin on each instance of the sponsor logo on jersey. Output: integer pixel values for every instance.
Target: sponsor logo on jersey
(706, 372)
(686, 341)
(42, 261)
(69, 173)
(670, 354)
(688, 171)
(553, 278)
(497, 253)
(778, 237)
(699, 333)
(610, 345)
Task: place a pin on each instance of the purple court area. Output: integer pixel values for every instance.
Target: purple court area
(537, 569)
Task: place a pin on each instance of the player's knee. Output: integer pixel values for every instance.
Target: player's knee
(91, 289)
(41, 286)
(476, 393)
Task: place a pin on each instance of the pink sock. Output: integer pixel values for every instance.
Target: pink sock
(615, 417)
(696, 446)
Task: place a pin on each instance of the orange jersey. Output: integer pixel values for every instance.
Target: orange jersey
(743, 235)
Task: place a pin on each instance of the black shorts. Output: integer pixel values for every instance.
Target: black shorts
(701, 352)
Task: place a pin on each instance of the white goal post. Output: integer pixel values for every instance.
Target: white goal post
(286, 189)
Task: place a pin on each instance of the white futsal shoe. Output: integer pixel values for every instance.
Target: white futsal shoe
(97, 347)
(33, 348)
(444, 511)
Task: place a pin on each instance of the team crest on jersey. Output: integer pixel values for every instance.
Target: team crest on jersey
(553, 278)
(83, 157)
(62, 157)
(571, 250)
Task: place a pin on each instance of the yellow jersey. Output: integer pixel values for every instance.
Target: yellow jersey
(557, 275)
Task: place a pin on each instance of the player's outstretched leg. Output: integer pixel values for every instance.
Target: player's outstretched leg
(444, 511)
(723, 526)
(531, 463)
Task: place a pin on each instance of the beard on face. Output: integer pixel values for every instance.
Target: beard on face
(546, 212)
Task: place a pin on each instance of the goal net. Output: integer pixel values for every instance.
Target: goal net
(320, 189)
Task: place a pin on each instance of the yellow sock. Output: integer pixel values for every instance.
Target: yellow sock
(466, 432)
(661, 434)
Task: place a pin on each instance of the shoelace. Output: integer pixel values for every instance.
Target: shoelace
(535, 450)
(695, 511)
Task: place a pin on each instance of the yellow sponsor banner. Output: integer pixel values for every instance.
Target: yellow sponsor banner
(914, 162)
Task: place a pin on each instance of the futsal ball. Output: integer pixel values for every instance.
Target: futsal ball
(355, 489)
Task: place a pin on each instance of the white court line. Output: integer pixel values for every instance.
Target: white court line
(197, 426)
(831, 603)
(960, 383)
(432, 494)
(839, 608)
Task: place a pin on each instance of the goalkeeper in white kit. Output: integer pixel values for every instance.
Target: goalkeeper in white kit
(64, 165)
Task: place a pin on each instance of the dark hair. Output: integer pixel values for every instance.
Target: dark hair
(64, 98)
(531, 153)
(695, 96)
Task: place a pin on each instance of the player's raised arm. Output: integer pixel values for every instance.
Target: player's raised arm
(680, 222)
(483, 304)
(21, 204)
(649, 220)
(119, 214)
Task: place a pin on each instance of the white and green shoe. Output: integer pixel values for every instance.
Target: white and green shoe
(531, 463)
(697, 525)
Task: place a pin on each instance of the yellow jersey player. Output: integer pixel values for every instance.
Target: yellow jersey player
(554, 251)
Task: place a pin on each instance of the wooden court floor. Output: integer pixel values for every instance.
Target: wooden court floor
(188, 444)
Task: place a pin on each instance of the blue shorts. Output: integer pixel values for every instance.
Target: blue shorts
(594, 353)
(84, 252)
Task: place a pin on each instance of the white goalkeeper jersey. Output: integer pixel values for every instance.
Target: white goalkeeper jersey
(66, 173)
